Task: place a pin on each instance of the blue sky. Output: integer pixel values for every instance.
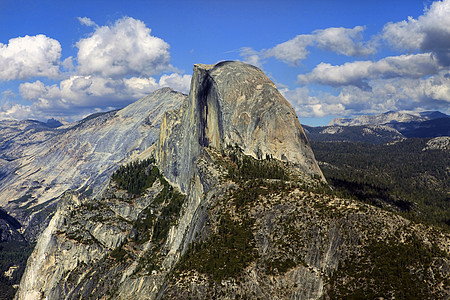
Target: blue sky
(68, 59)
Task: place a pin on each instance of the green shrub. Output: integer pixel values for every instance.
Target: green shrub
(119, 254)
(136, 176)
(400, 177)
(244, 167)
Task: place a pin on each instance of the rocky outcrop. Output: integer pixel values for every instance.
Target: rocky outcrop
(16, 136)
(404, 124)
(279, 240)
(76, 250)
(230, 103)
(9, 228)
(375, 134)
(439, 143)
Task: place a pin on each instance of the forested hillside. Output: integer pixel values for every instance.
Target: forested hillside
(403, 176)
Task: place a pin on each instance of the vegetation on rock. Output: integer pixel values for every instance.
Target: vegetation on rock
(279, 229)
(136, 176)
(12, 253)
(390, 269)
(244, 167)
(224, 254)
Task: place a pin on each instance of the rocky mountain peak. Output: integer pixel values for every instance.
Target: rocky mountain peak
(232, 103)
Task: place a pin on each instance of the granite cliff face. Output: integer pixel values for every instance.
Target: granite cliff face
(38, 164)
(232, 103)
(232, 204)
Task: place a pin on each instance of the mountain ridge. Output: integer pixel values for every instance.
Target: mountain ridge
(79, 156)
(388, 117)
(384, 128)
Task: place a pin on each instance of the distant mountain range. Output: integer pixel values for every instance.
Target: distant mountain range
(390, 117)
(382, 128)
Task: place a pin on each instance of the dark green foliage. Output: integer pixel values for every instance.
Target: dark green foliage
(252, 175)
(169, 213)
(137, 176)
(389, 270)
(10, 219)
(249, 191)
(171, 202)
(12, 253)
(143, 226)
(155, 221)
(280, 265)
(24, 198)
(244, 167)
(231, 247)
(119, 254)
(265, 176)
(400, 175)
(247, 195)
(151, 261)
(224, 254)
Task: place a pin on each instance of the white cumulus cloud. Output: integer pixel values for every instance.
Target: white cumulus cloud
(292, 51)
(181, 83)
(413, 94)
(345, 41)
(251, 56)
(86, 22)
(11, 111)
(139, 86)
(114, 66)
(30, 56)
(359, 72)
(410, 94)
(85, 92)
(123, 49)
(32, 90)
(430, 32)
(307, 105)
